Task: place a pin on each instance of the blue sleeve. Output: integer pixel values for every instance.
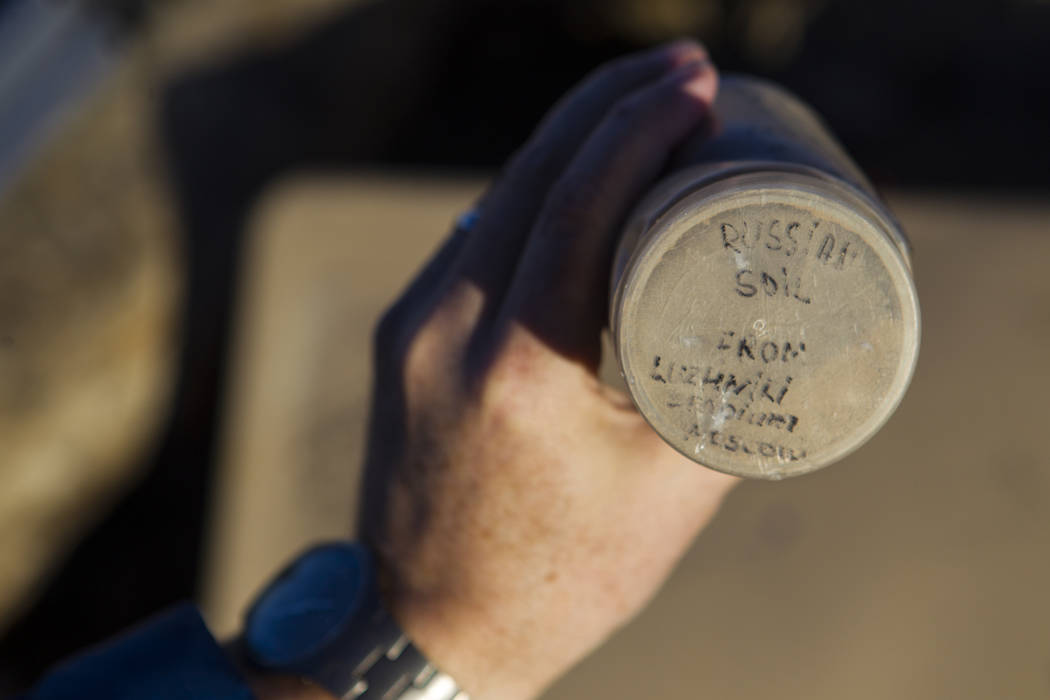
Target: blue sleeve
(171, 657)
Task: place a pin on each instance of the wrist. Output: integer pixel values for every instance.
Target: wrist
(498, 643)
(470, 648)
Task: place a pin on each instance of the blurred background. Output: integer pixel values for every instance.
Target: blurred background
(205, 205)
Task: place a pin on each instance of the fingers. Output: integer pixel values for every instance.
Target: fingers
(560, 288)
(511, 208)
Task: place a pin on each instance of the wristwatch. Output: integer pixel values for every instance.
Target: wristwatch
(322, 619)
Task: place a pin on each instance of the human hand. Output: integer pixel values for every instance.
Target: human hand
(520, 509)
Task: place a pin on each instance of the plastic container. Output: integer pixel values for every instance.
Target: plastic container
(763, 310)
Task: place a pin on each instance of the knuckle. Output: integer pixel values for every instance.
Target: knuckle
(433, 342)
(423, 352)
(446, 312)
(513, 372)
(402, 334)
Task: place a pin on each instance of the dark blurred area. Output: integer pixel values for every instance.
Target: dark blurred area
(936, 94)
(921, 94)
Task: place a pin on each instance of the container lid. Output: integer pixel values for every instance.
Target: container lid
(768, 324)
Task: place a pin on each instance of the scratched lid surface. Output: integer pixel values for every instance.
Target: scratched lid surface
(767, 325)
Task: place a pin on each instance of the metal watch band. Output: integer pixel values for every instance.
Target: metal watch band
(396, 670)
(322, 619)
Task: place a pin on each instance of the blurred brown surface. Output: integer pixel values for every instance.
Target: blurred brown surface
(88, 290)
(917, 568)
(324, 258)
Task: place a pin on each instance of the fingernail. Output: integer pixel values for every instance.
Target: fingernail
(698, 78)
